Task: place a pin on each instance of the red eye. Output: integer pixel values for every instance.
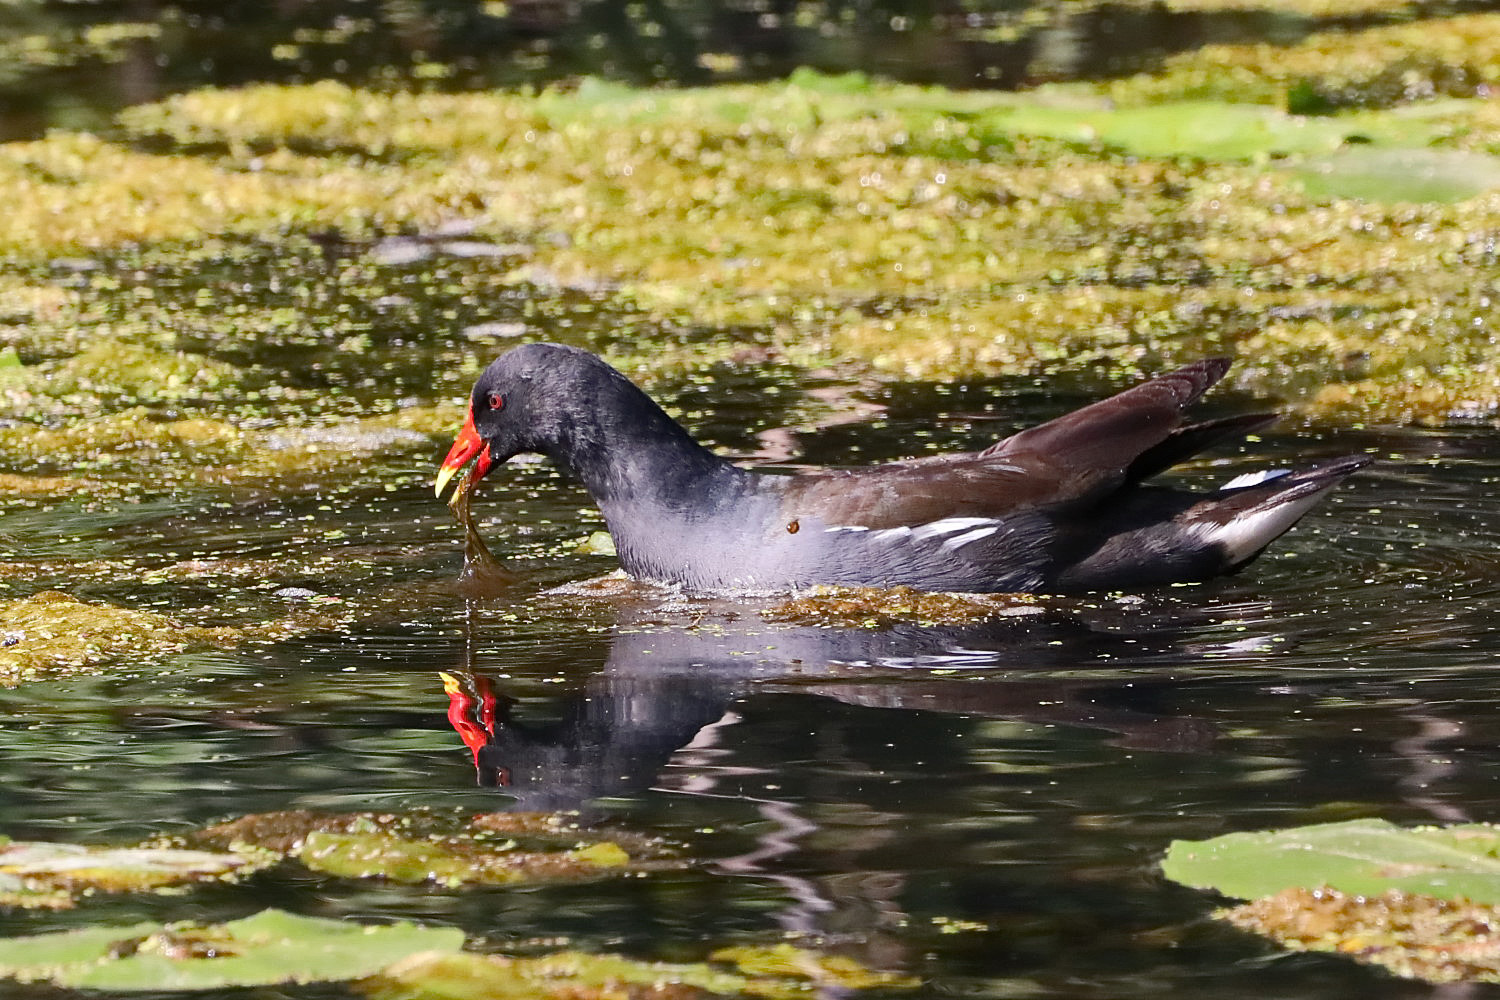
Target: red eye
(496, 401)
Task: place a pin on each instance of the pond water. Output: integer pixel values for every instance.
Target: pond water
(983, 806)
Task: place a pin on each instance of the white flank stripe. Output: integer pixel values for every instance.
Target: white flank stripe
(970, 536)
(948, 525)
(964, 530)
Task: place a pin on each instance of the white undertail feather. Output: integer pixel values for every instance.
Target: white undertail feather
(1246, 534)
(1254, 478)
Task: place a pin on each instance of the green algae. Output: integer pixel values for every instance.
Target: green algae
(483, 575)
(1409, 934)
(398, 859)
(415, 848)
(1019, 252)
(873, 607)
(51, 633)
(779, 972)
(108, 368)
(400, 960)
(54, 876)
(825, 970)
(1381, 66)
(16, 894)
(920, 231)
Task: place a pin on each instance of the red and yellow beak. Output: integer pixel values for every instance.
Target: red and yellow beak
(465, 446)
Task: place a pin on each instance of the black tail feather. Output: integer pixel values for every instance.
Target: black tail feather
(1185, 442)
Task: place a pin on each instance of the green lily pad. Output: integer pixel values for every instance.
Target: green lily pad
(1206, 129)
(1373, 174)
(43, 874)
(270, 947)
(1365, 857)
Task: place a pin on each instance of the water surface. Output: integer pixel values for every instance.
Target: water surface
(983, 806)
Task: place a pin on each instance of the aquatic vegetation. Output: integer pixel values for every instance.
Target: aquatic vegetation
(398, 960)
(50, 633)
(778, 972)
(1412, 935)
(269, 947)
(482, 574)
(927, 233)
(53, 876)
(1305, 8)
(873, 607)
(1420, 901)
(823, 970)
(1359, 856)
(1381, 66)
(416, 848)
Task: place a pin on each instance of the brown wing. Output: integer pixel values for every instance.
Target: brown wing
(1073, 458)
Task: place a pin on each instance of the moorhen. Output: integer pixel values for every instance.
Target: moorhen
(1061, 507)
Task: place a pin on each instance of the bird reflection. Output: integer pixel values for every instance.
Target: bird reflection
(666, 693)
(692, 712)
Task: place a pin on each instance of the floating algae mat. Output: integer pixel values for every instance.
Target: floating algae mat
(873, 607)
(387, 961)
(1411, 935)
(424, 847)
(956, 233)
(51, 633)
(53, 876)
(775, 973)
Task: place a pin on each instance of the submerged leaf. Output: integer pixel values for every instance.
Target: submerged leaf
(270, 947)
(483, 575)
(1360, 856)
